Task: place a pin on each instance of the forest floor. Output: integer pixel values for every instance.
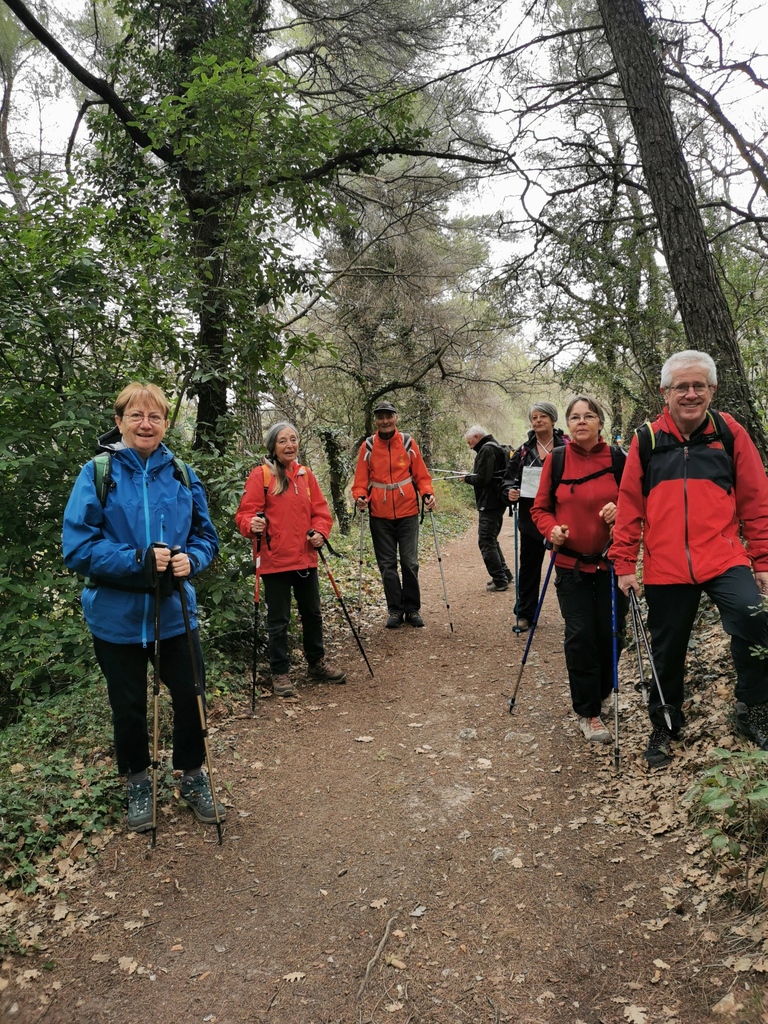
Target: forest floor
(404, 849)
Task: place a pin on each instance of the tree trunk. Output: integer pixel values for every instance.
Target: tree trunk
(335, 453)
(703, 309)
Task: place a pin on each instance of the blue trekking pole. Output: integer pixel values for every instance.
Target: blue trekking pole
(615, 643)
(532, 630)
(516, 628)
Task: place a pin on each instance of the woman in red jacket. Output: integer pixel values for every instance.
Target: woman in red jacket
(576, 520)
(283, 504)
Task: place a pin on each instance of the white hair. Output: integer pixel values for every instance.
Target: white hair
(688, 358)
(476, 431)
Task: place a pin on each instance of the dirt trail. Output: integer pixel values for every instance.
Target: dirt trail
(401, 849)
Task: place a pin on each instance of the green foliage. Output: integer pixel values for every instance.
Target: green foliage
(57, 781)
(730, 802)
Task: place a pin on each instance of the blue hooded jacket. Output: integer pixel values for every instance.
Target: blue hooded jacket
(147, 503)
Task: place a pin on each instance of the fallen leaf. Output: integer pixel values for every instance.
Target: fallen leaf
(419, 911)
(363, 739)
(294, 976)
(127, 964)
(394, 962)
(379, 904)
(100, 958)
(393, 1007)
(635, 1014)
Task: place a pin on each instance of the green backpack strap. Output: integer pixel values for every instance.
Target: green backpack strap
(102, 474)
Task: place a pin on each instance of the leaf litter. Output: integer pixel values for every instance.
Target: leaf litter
(668, 926)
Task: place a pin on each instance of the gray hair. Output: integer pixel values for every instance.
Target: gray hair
(270, 441)
(593, 405)
(546, 407)
(475, 431)
(691, 357)
(280, 482)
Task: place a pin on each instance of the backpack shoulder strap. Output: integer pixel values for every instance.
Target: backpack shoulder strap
(557, 455)
(368, 447)
(408, 444)
(618, 461)
(102, 475)
(181, 471)
(723, 431)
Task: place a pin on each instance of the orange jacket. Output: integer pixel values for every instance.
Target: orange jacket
(290, 517)
(391, 476)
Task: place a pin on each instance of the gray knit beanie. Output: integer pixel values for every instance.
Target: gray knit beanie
(546, 407)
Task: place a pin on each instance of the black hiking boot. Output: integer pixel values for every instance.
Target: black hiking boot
(753, 722)
(658, 753)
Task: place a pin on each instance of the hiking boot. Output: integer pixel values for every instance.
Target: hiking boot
(594, 730)
(658, 753)
(753, 722)
(196, 793)
(522, 626)
(395, 620)
(140, 806)
(414, 619)
(322, 672)
(282, 686)
(497, 588)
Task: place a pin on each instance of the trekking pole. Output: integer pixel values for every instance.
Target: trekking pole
(440, 564)
(155, 706)
(360, 577)
(532, 630)
(337, 592)
(643, 686)
(199, 694)
(256, 599)
(665, 708)
(615, 658)
(516, 628)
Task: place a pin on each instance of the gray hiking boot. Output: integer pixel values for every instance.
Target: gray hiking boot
(196, 794)
(140, 806)
(753, 722)
(322, 672)
(594, 729)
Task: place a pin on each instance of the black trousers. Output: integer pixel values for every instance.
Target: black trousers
(489, 524)
(585, 604)
(532, 551)
(277, 591)
(125, 670)
(390, 537)
(671, 612)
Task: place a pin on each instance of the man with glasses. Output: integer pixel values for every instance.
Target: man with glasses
(698, 499)
(389, 480)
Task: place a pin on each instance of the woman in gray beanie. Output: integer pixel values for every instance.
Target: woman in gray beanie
(519, 488)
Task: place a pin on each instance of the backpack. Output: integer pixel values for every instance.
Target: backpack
(646, 441)
(407, 442)
(102, 474)
(557, 455)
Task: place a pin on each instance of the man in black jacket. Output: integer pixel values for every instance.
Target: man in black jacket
(487, 473)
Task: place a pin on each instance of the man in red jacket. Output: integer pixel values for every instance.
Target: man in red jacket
(699, 500)
(389, 480)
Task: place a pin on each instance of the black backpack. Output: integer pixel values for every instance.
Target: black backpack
(647, 447)
(557, 455)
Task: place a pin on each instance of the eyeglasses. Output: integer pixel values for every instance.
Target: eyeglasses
(135, 418)
(576, 416)
(682, 389)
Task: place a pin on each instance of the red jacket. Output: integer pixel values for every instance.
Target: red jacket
(577, 507)
(392, 475)
(290, 517)
(698, 508)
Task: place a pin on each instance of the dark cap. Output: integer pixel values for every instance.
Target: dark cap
(384, 407)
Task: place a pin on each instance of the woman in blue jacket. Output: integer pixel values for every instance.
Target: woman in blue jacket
(111, 522)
